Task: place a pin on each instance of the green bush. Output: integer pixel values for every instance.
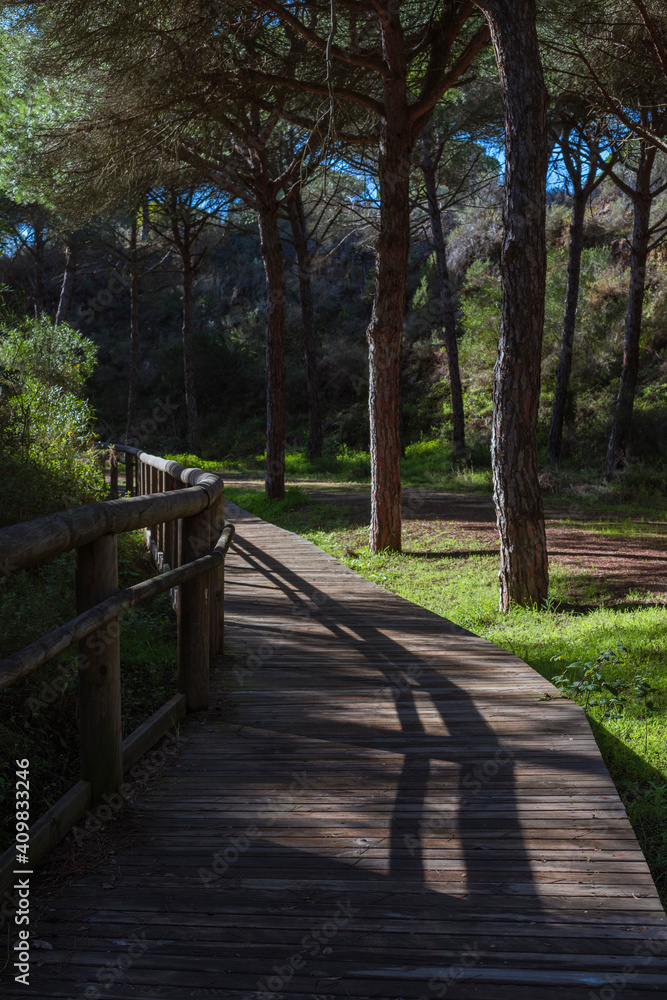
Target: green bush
(49, 366)
(46, 454)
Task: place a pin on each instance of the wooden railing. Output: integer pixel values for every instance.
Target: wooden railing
(182, 511)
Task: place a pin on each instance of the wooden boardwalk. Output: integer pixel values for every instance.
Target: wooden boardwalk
(388, 812)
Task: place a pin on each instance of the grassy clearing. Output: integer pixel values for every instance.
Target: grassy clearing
(453, 574)
(39, 712)
(638, 493)
(425, 463)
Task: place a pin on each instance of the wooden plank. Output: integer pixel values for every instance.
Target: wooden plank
(113, 474)
(152, 730)
(373, 757)
(217, 581)
(49, 830)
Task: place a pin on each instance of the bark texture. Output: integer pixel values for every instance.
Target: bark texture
(184, 233)
(641, 232)
(303, 259)
(188, 363)
(402, 121)
(145, 218)
(569, 320)
(385, 330)
(524, 576)
(38, 250)
(133, 374)
(272, 257)
(446, 298)
(67, 285)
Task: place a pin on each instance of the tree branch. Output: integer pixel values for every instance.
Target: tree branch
(656, 37)
(617, 109)
(365, 60)
(442, 82)
(309, 87)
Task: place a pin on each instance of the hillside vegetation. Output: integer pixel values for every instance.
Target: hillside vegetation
(229, 341)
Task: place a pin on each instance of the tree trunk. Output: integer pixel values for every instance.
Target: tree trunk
(524, 576)
(133, 374)
(272, 256)
(447, 300)
(384, 355)
(633, 318)
(67, 285)
(299, 235)
(145, 218)
(188, 369)
(569, 320)
(385, 330)
(40, 280)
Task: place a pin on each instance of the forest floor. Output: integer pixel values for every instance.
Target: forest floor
(607, 610)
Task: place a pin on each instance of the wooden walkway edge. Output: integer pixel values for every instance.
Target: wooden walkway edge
(388, 812)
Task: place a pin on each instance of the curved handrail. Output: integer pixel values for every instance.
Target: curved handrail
(34, 655)
(33, 542)
(184, 507)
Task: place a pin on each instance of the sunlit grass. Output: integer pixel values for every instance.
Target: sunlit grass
(425, 463)
(628, 527)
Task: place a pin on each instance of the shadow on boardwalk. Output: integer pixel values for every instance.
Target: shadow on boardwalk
(388, 812)
(488, 768)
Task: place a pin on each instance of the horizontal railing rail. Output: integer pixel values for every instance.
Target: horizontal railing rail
(44, 649)
(33, 542)
(182, 511)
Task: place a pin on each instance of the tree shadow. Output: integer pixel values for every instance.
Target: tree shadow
(450, 553)
(486, 767)
(410, 825)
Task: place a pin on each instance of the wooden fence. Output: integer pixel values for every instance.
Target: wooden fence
(182, 511)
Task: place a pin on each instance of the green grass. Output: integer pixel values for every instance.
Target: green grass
(295, 511)
(638, 493)
(628, 527)
(190, 461)
(39, 712)
(426, 463)
(456, 577)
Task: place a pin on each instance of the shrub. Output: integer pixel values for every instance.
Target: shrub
(45, 420)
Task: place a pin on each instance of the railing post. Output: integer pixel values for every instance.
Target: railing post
(159, 530)
(129, 474)
(113, 474)
(217, 609)
(193, 615)
(99, 671)
(169, 527)
(178, 526)
(151, 533)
